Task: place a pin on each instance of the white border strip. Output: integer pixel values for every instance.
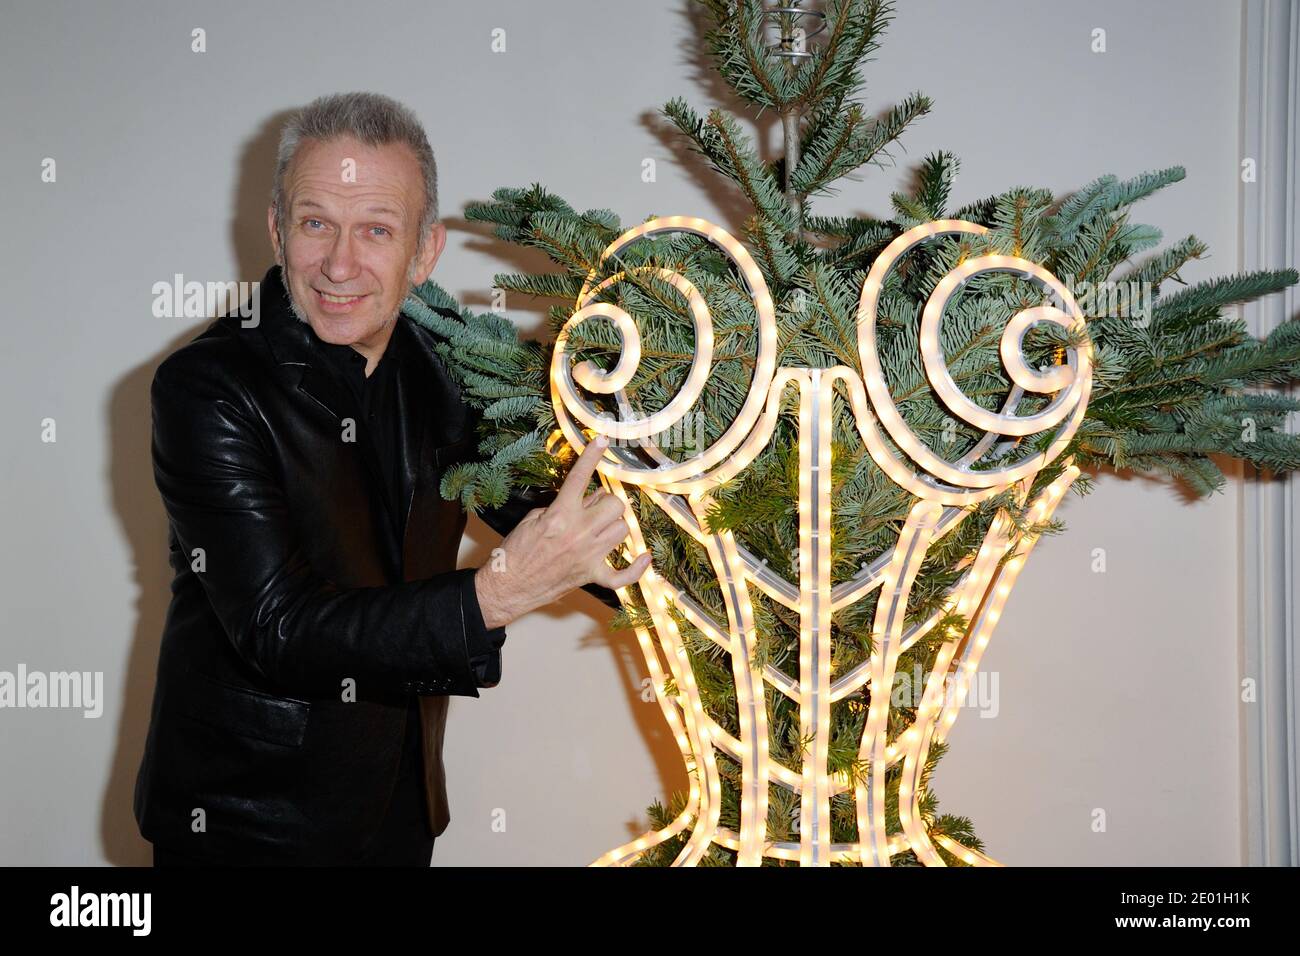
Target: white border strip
(1270, 238)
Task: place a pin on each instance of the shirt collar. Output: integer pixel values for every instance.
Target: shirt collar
(345, 360)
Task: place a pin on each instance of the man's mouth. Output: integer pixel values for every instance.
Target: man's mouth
(338, 301)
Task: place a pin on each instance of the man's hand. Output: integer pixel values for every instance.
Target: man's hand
(558, 548)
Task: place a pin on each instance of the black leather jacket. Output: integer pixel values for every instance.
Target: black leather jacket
(290, 592)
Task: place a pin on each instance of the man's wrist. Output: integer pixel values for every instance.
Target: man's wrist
(482, 643)
(495, 613)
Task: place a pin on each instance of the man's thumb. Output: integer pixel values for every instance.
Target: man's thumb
(631, 573)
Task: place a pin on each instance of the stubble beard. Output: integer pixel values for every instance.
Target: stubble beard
(301, 315)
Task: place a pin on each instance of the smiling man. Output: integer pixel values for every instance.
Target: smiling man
(318, 622)
(353, 285)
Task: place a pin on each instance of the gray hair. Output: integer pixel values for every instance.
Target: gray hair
(372, 118)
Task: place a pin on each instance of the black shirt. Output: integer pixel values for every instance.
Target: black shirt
(377, 400)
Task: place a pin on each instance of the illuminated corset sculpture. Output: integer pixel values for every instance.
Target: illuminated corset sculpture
(942, 492)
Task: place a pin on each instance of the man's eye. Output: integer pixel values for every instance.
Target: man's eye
(380, 229)
(312, 223)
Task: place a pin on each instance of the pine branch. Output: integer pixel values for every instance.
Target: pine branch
(721, 142)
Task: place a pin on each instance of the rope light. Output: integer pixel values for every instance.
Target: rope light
(944, 493)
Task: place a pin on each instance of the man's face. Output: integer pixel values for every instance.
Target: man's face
(350, 250)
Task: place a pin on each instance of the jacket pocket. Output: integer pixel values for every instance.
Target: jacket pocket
(242, 710)
(454, 452)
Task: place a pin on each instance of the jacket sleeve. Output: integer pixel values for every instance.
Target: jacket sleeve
(484, 643)
(220, 487)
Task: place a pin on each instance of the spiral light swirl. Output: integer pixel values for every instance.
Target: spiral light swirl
(571, 408)
(1071, 382)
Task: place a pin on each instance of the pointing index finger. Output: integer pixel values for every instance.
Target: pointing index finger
(571, 492)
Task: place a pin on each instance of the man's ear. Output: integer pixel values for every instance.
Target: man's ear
(433, 246)
(275, 234)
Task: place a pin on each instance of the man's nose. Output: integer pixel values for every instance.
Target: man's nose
(340, 263)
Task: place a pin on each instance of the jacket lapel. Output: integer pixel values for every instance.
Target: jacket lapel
(419, 467)
(440, 426)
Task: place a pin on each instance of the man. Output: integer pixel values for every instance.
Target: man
(318, 622)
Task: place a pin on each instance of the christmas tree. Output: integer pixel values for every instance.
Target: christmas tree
(1175, 378)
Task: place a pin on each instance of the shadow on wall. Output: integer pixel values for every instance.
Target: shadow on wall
(139, 509)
